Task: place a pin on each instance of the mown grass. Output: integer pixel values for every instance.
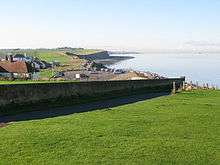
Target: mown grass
(178, 129)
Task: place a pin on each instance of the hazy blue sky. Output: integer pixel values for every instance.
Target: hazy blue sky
(112, 24)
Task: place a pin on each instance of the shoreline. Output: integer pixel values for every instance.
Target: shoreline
(112, 60)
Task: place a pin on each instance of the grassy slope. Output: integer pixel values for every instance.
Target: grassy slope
(51, 56)
(180, 129)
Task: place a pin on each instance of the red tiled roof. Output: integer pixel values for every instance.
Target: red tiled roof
(15, 67)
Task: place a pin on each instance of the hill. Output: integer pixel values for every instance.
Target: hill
(178, 129)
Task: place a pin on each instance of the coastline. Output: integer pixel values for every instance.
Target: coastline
(111, 60)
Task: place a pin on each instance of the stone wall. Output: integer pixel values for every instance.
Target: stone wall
(34, 93)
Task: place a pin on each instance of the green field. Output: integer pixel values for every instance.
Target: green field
(177, 129)
(51, 56)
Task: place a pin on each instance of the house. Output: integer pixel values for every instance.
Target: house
(22, 57)
(15, 69)
(19, 57)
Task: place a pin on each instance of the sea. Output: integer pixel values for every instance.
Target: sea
(196, 67)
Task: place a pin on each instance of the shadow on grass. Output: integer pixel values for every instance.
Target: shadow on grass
(98, 105)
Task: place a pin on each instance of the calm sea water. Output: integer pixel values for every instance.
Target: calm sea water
(204, 68)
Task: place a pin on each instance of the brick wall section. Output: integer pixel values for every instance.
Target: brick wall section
(34, 93)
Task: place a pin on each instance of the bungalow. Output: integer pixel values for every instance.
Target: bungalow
(15, 69)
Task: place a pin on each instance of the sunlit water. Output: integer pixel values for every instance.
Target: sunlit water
(204, 68)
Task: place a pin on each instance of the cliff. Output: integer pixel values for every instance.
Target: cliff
(95, 56)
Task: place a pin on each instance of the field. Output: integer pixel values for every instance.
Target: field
(51, 56)
(177, 129)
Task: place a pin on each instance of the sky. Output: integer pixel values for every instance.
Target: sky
(111, 24)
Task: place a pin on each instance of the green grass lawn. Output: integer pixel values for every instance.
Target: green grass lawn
(177, 129)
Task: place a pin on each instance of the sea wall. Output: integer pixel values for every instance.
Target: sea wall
(21, 94)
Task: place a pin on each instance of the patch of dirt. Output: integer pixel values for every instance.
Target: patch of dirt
(3, 125)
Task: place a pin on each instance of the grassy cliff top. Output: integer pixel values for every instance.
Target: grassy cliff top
(178, 129)
(87, 51)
